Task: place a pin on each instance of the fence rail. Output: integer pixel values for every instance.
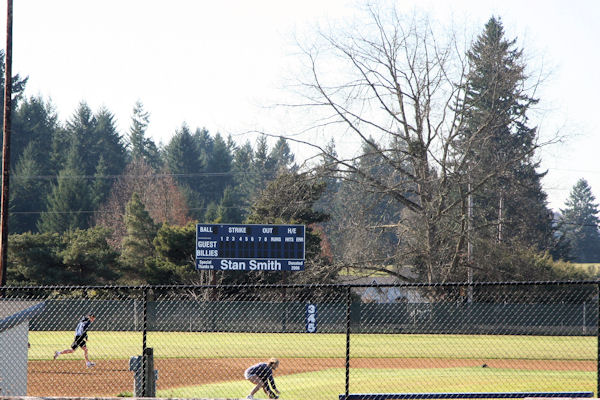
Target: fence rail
(330, 339)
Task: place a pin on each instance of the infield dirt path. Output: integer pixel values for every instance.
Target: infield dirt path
(112, 377)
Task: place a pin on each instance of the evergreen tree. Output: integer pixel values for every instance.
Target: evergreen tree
(18, 87)
(96, 137)
(139, 145)
(243, 160)
(218, 169)
(34, 127)
(108, 144)
(579, 223)
(28, 192)
(87, 258)
(173, 263)
(204, 144)
(183, 159)
(263, 169)
(33, 259)
(79, 130)
(137, 131)
(211, 215)
(141, 230)
(282, 156)
(510, 207)
(101, 185)
(176, 244)
(68, 204)
(35, 124)
(79, 257)
(229, 211)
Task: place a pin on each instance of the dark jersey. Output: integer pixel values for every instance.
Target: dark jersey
(264, 372)
(82, 326)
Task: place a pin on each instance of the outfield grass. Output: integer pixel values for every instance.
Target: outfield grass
(328, 384)
(110, 345)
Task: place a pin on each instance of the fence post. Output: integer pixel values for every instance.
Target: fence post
(144, 329)
(348, 309)
(149, 385)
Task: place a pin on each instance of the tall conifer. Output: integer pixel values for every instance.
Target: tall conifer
(510, 206)
(69, 204)
(580, 222)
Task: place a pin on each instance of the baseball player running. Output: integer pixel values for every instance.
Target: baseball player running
(80, 339)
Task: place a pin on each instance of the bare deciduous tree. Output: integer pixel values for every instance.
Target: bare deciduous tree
(400, 91)
(158, 192)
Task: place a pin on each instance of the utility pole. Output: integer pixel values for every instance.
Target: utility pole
(6, 144)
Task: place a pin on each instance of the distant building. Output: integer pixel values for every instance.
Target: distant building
(375, 294)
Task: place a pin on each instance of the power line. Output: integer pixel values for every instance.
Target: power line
(113, 212)
(187, 175)
(190, 175)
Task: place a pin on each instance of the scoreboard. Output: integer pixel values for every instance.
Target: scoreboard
(250, 247)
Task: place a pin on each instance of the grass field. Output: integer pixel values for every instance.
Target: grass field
(328, 384)
(573, 355)
(290, 345)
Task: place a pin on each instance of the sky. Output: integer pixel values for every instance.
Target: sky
(223, 65)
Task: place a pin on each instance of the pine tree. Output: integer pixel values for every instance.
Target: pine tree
(243, 160)
(263, 168)
(18, 87)
(34, 123)
(211, 215)
(34, 127)
(510, 206)
(139, 145)
(579, 223)
(28, 192)
(101, 185)
(139, 123)
(282, 155)
(96, 136)
(229, 211)
(33, 258)
(204, 144)
(141, 230)
(87, 258)
(69, 204)
(183, 159)
(79, 131)
(218, 169)
(108, 144)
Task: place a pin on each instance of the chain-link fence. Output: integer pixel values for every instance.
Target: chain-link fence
(198, 341)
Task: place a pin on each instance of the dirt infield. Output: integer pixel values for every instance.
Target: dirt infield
(112, 377)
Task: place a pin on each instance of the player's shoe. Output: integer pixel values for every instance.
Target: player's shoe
(250, 397)
(56, 353)
(90, 364)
